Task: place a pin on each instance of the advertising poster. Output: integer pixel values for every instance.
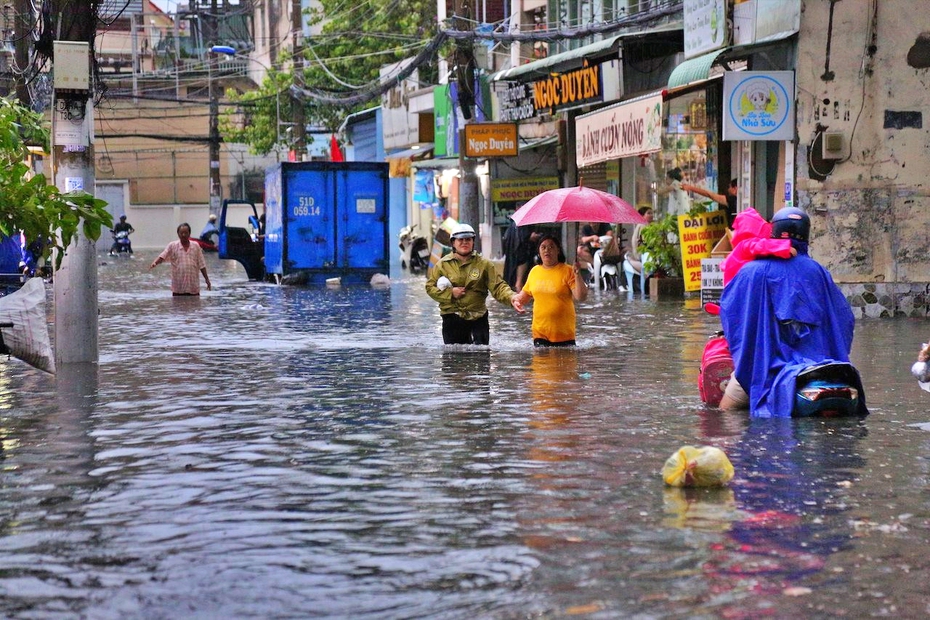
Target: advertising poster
(698, 234)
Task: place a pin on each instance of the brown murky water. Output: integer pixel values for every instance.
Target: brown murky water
(280, 452)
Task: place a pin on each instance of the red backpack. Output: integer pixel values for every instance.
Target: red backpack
(716, 368)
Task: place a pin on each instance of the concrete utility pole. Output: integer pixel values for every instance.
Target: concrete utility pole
(297, 106)
(216, 190)
(465, 77)
(73, 170)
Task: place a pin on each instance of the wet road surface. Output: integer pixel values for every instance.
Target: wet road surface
(287, 452)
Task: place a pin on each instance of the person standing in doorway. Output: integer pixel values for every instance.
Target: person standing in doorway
(461, 282)
(728, 200)
(186, 260)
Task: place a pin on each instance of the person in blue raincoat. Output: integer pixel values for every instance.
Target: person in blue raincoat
(781, 316)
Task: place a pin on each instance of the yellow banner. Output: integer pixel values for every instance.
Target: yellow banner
(698, 235)
(521, 190)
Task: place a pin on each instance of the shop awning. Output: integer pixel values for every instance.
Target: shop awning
(597, 51)
(694, 70)
(440, 163)
(534, 144)
(699, 69)
(422, 150)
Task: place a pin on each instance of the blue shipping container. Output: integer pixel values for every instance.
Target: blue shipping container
(326, 220)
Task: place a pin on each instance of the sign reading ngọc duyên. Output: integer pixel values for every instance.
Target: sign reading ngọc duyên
(570, 88)
(516, 190)
(491, 140)
(697, 235)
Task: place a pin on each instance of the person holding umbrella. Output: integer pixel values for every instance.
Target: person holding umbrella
(553, 287)
(460, 282)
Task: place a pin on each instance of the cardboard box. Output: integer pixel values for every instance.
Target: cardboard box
(723, 247)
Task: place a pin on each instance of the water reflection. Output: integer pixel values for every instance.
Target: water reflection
(282, 452)
(783, 514)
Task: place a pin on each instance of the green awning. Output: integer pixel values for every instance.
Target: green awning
(694, 70)
(542, 66)
(599, 50)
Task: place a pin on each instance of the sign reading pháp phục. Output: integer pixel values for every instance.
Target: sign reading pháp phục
(697, 235)
(518, 190)
(491, 140)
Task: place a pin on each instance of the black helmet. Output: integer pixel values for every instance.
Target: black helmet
(791, 223)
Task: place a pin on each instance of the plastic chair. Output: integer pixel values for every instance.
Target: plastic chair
(630, 272)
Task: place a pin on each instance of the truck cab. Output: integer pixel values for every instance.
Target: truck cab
(242, 237)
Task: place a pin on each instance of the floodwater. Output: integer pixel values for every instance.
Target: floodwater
(287, 452)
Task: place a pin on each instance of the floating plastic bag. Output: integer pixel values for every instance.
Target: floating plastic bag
(697, 467)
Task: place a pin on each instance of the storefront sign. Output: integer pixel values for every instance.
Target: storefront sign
(705, 26)
(765, 20)
(515, 102)
(697, 235)
(759, 105)
(520, 190)
(711, 280)
(567, 89)
(491, 140)
(399, 127)
(624, 130)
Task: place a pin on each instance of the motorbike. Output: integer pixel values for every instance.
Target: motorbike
(414, 250)
(122, 242)
(831, 389)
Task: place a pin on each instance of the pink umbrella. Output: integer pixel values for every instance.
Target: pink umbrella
(576, 204)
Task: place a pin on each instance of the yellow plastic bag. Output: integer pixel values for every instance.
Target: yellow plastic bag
(697, 467)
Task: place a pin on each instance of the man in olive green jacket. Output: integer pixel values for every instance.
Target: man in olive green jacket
(460, 282)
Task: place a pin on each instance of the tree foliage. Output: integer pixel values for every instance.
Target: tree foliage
(356, 41)
(28, 203)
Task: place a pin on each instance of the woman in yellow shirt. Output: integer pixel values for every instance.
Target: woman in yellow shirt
(554, 287)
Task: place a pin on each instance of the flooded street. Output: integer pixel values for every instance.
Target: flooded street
(289, 452)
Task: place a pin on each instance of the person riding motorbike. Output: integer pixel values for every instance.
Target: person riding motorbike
(210, 233)
(121, 227)
(782, 316)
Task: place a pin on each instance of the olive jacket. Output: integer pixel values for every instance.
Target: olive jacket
(478, 275)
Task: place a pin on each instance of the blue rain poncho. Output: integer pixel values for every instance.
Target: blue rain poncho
(781, 316)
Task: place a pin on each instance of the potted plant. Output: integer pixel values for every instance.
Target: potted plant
(659, 240)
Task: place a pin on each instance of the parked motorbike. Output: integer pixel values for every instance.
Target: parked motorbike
(825, 390)
(414, 250)
(122, 243)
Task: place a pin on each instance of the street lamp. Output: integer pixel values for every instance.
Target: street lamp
(231, 51)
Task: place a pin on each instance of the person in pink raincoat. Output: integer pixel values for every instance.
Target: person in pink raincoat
(752, 239)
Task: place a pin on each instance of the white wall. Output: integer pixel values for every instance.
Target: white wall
(156, 225)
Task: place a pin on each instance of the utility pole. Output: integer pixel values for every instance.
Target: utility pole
(297, 106)
(23, 27)
(216, 190)
(76, 327)
(465, 77)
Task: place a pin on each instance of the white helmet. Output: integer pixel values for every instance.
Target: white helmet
(463, 231)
